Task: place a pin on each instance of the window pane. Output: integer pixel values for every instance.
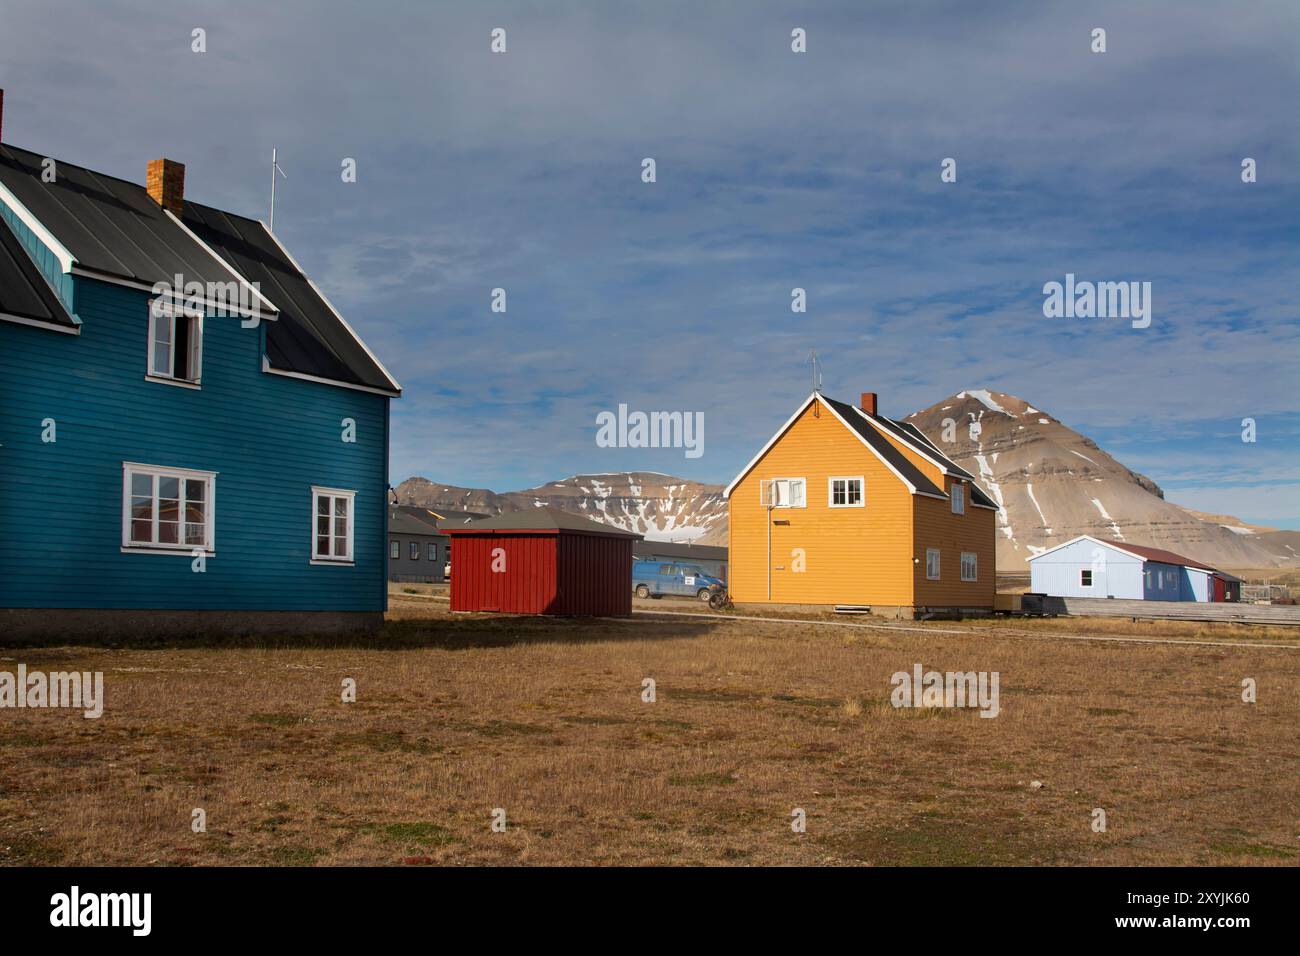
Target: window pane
(194, 532)
(433, 552)
(340, 527)
(195, 488)
(168, 532)
(142, 529)
(142, 485)
(340, 547)
(169, 487)
(322, 547)
(323, 525)
(323, 504)
(340, 506)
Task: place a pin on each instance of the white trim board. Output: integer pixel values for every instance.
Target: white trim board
(266, 367)
(37, 323)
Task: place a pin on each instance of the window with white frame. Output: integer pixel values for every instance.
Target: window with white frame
(1085, 577)
(969, 566)
(958, 499)
(433, 552)
(784, 492)
(415, 551)
(167, 508)
(844, 492)
(932, 564)
(394, 550)
(175, 342)
(332, 514)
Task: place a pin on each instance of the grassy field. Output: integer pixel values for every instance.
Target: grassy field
(456, 716)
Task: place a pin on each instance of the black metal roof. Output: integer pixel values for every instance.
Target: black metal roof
(676, 549)
(308, 337)
(400, 522)
(24, 293)
(114, 228)
(914, 436)
(881, 446)
(539, 519)
(110, 226)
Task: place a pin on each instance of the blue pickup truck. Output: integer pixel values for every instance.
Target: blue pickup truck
(655, 579)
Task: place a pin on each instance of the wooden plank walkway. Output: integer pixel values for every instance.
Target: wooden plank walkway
(1276, 614)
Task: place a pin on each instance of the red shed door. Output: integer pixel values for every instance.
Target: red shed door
(1220, 589)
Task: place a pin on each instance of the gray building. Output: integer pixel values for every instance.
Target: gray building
(418, 551)
(710, 559)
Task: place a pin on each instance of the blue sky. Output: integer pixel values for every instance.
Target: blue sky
(775, 170)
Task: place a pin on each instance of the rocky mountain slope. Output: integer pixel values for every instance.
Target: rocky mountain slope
(654, 505)
(1053, 484)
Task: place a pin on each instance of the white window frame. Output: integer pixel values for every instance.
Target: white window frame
(974, 566)
(937, 558)
(862, 491)
(317, 492)
(153, 546)
(166, 310)
(774, 482)
(958, 495)
(1092, 578)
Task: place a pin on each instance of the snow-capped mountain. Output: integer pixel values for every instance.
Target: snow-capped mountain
(657, 506)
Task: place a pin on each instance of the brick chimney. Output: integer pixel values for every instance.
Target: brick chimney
(166, 183)
(869, 402)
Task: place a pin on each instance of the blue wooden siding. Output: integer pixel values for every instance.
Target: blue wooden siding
(46, 261)
(269, 438)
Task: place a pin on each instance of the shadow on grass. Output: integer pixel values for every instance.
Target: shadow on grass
(448, 633)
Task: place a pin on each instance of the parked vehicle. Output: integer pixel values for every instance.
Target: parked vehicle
(653, 579)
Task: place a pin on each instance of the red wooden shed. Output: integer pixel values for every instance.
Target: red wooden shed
(543, 561)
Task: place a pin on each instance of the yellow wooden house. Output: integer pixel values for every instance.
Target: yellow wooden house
(846, 507)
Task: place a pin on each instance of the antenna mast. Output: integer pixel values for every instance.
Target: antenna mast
(275, 168)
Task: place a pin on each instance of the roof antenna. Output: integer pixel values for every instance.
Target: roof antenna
(816, 382)
(275, 168)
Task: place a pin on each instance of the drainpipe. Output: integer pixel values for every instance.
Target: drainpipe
(769, 552)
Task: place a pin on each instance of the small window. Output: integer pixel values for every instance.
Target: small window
(332, 524)
(1085, 577)
(932, 564)
(958, 499)
(666, 569)
(175, 342)
(783, 492)
(167, 507)
(433, 552)
(969, 566)
(394, 550)
(415, 551)
(845, 492)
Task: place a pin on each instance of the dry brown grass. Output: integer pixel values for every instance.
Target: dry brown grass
(458, 715)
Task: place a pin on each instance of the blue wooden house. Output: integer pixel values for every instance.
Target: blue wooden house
(1088, 567)
(191, 436)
